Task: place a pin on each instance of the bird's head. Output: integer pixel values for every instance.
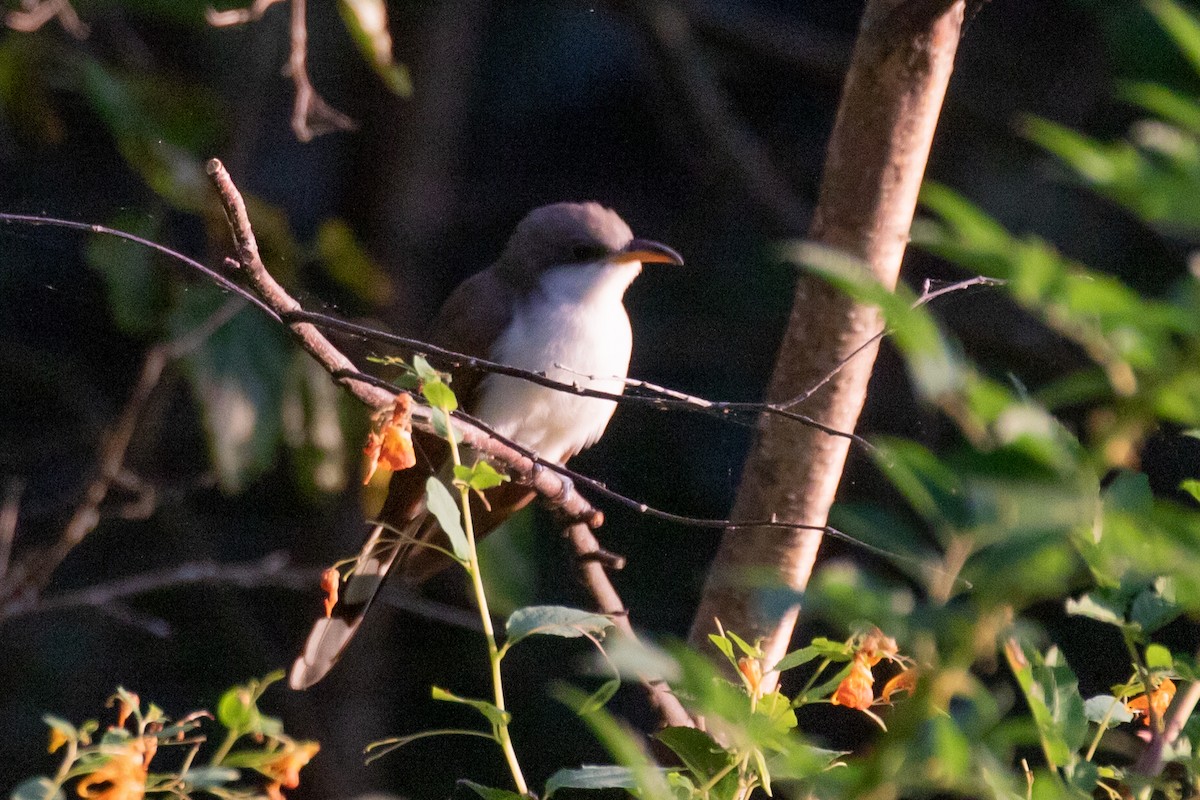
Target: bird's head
(578, 237)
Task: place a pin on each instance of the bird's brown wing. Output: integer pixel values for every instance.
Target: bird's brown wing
(469, 322)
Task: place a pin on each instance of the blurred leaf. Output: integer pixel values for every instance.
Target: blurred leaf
(237, 378)
(134, 285)
(937, 369)
(349, 265)
(39, 788)
(1105, 706)
(237, 711)
(1181, 25)
(507, 559)
(312, 427)
(599, 698)
(165, 164)
(942, 751)
(204, 778)
(569, 623)
(489, 710)
(1052, 693)
(594, 777)
(25, 98)
(443, 506)
(699, 752)
(489, 793)
(1192, 487)
(1164, 103)
(636, 768)
(368, 25)
(1158, 657)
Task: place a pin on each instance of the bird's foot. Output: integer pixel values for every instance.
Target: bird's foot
(560, 499)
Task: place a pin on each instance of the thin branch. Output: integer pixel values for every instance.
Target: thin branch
(1150, 762)
(31, 574)
(33, 14)
(608, 601)
(9, 514)
(664, 399)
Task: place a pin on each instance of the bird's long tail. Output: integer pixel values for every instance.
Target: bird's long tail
(330, 635)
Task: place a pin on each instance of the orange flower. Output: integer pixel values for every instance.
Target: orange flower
(330, 579)
(855, 689)
(57, 740)
(284, 769)
(1159, 700)
(905, 681)
(751, 669)
(392, 445)
(123, 775)
(876, 647)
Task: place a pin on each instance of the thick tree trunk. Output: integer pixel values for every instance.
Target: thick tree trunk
(877, 154)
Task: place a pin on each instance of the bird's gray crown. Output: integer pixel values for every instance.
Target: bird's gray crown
(560, 234)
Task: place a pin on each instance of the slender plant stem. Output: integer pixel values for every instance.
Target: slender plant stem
(485, 617)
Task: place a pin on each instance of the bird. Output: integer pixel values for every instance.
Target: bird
(551, 303)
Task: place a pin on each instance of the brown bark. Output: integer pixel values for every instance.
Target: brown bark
(876, 159)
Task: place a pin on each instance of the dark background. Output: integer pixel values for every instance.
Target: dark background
(517, 104)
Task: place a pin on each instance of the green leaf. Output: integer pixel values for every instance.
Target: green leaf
(40, 788)
(797, 658)
(627, 749)
(1105, 706)
(424, 371)
(569, 623)
(488, 792)
(1192, 487)
(1182, 26)
(442, 505)
(1158, 657)
(236, 709)
(479, 476)
(237, 376)
(747, 650)
(724, 645)
(1095, 605)
(489, 710)
(379, 749)
(1052, 693)
(439, 395)
(593, 777)
(350, 266)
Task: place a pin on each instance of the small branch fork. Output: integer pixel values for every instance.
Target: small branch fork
(311, 115)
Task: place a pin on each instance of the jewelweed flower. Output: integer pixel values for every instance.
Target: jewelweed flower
(284, 769)
(1159, 700)
(391, 445)
(123, 775)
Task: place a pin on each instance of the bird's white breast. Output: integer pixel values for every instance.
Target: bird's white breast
(574, 319)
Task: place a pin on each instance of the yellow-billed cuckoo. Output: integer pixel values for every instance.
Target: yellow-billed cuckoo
(551, 303)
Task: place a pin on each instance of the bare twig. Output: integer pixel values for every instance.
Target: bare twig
(311, 115)
(238, 16)
(33, 14)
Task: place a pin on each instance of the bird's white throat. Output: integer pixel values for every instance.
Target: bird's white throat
(574, 328)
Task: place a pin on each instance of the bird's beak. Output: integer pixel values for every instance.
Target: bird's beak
(647, 252)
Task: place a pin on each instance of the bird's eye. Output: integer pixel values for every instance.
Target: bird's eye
(589, 252)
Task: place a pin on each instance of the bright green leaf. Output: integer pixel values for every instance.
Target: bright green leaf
(561, 621)
(489, 710)
(443, 506)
